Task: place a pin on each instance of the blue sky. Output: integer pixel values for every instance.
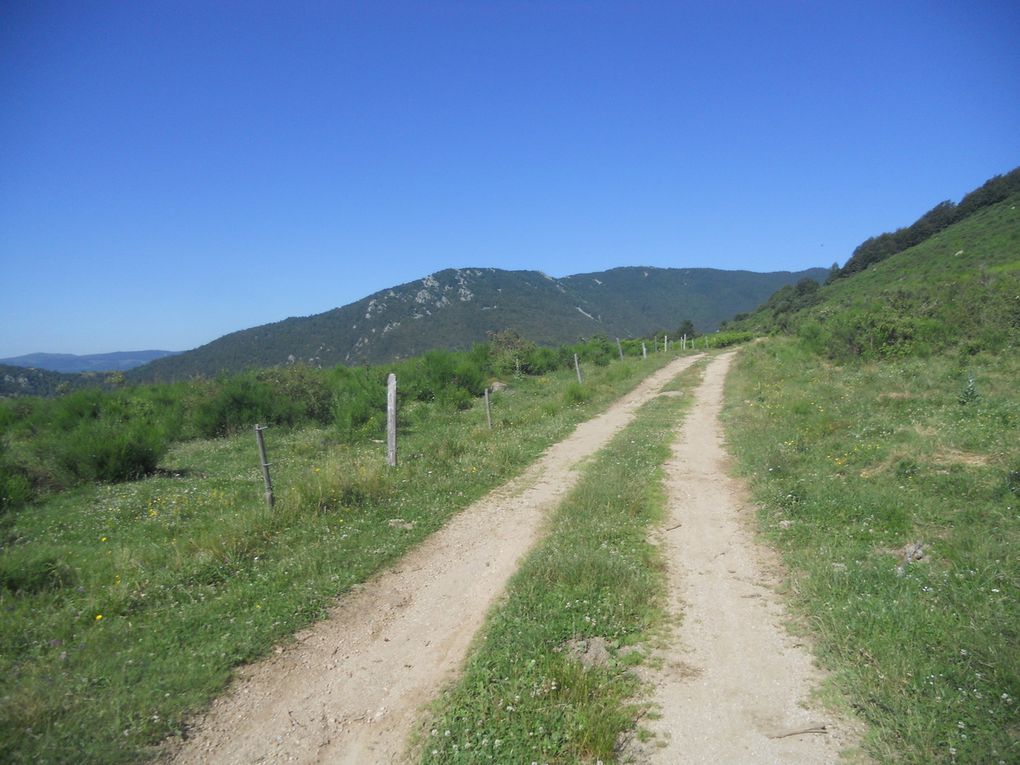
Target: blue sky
(173, 171)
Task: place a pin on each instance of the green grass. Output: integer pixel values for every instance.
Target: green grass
(124, 608)
(853, 465)
(523, 697)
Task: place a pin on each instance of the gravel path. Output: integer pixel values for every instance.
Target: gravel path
(735, 687)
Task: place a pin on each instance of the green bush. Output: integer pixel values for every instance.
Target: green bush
(448, 378)
(359, 402)
(241, 402)
(307, 389)
(108, 451)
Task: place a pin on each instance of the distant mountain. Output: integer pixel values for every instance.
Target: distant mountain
(458, 307)
(69, 363)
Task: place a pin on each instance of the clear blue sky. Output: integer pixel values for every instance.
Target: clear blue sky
(173, 171)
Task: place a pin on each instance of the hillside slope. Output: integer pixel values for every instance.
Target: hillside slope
(458, 307)
(959, 287)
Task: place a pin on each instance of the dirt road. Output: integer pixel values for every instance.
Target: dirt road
(735, 685)
(350, 688)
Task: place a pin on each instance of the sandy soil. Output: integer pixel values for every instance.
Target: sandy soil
(350, 688)
(735, 687)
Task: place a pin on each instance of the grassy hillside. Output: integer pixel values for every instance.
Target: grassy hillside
(944, 214)
(959, 288)
(880, 431)
(457, 308)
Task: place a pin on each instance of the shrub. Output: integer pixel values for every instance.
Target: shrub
(444, 377)
(241, 402)
(510, 353)
(358, 401)
(307, 389)
(108, 451)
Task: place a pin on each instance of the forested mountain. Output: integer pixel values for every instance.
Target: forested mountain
(458, 307)
(19, 381)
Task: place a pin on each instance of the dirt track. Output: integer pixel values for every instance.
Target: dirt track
(735, 685)
(349, 689)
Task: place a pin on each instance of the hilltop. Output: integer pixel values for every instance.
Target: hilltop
(456, 308)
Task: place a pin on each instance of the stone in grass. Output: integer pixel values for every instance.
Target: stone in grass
(400, 523)
(911, 553)
(591, 652)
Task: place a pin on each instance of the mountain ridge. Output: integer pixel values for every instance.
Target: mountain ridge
(457, 307)
(71, 363)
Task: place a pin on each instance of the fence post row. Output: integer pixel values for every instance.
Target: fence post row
(270, 500)
(391, 420)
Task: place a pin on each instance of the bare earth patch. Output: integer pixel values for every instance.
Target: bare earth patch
(349, 689)
(735, 686)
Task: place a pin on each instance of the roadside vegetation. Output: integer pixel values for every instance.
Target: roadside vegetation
(140, 563)
(881, 436)
(548, 679)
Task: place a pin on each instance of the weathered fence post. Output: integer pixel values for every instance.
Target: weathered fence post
(665, 343)
(577, 368)
(270, 500)
(391, 420)
(644, 351)
(488, 409)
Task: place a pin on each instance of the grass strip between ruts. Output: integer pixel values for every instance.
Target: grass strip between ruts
(547, 681)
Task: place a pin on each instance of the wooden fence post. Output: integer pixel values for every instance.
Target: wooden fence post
(391, 420)
(270, 500)
(619, 347)
(644, 351)
(488, 408)
(577, 368)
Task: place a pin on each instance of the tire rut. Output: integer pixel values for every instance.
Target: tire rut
(735, 685)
